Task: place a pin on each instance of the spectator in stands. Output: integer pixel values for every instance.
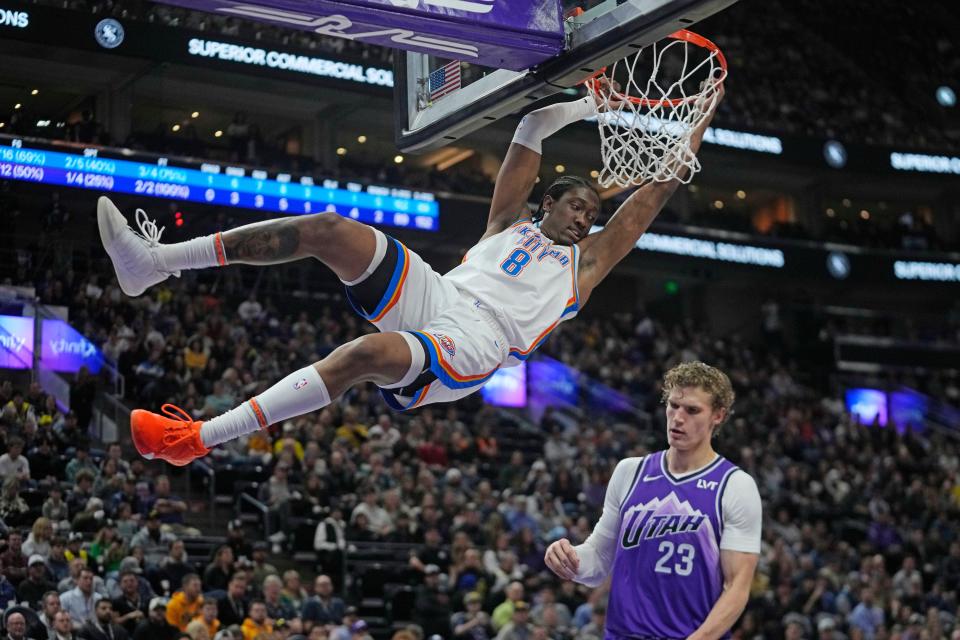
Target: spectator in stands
(54, 508)
(208, 616)
(504, 611)
(185, 604)
(277, 494)
(38, 542)
(102, 626)
(330, 542)
(32, 588)
(262, 568)
(175, 565)
(256, 623)
(49, 607)
(62, 628)
(432, 552)
(153, 540)
(13, 562)
(13, 464)
(130, 606)
(81, 462)
(44, 460)
(232, 609)
(81, 600)
(156, 627)
(594, 630)
(276, 607)
(237, 541)
(293, 592)
(470, 576)
(377, 518)
(14, 510)
(322, 608)
(474, 623)
(16, 626)
(76, 567)
(217, 574)
(83, 391)
(196, 630)
(432, 603)
(867, 616)
(519, 627)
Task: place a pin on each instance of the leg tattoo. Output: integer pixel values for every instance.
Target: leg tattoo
(263, 244)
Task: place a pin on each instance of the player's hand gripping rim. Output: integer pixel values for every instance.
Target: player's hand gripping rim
(562, 559)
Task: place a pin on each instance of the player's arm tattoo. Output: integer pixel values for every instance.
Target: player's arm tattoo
(262, 244)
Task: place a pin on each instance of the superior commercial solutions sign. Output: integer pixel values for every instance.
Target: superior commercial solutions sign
(323, 67)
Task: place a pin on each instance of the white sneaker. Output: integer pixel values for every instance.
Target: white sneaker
(133, 254)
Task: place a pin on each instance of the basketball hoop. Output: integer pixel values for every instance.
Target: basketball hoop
(654, 100)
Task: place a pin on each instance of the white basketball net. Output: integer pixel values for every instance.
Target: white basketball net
(646, 137)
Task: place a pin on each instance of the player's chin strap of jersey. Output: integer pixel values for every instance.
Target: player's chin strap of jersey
(543, 123)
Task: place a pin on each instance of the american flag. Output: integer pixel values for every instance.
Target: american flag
(444, 80)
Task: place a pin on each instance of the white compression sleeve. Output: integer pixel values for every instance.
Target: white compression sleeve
(543, 123)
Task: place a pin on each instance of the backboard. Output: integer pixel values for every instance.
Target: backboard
(595, 36)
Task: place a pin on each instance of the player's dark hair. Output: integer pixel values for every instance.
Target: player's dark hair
(559, 187)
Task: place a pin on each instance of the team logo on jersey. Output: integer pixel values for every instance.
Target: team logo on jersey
(447, 343)
(660, 518)
(300, 384)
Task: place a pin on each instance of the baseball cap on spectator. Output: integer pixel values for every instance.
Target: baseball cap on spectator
(261, 545)
(36, 559)
(75, 536)
(153, 515)
(472, 597)
(130, 564)
(358, 627)
(826, 624)
(376, 431)
(431, 570)
(158, 603)
(235, 525)
(539, 465)
(520, 605)
(350, 611)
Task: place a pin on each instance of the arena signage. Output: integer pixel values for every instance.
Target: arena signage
(506, 35)
(927, 271)
(15, 19)
(925, 163)
(710, 250)
(65, 349)
(289, 62)
(16, 342)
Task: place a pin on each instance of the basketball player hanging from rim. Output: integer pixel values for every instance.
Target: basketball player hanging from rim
(441, 337)
(680, 529)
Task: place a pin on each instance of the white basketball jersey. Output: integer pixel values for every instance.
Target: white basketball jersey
(526, 279)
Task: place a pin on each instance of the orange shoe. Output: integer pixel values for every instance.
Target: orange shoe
(175, 439)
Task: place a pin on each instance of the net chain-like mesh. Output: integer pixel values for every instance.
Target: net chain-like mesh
(647, 138)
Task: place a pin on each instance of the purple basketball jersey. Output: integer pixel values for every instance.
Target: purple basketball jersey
(666, 572)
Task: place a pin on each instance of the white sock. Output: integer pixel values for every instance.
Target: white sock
(199, 253)
(300, 392)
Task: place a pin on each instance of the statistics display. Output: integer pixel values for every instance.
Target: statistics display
(218, 185)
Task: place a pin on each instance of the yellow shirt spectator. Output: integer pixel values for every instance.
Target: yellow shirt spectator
(251, 629)
(181, 609)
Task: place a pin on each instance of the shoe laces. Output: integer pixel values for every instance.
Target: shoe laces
(181, 430)
(148, 231)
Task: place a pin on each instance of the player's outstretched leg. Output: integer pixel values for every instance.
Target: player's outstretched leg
(346, 246)
(385, 359)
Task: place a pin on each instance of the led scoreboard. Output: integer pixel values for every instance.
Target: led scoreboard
(208, 183)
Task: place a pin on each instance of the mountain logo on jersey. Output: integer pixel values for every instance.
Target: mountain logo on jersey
(659, 518)
(447, 343)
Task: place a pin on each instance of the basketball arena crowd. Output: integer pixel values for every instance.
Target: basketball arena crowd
(859, 538)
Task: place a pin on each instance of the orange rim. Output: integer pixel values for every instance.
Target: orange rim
(686, 36)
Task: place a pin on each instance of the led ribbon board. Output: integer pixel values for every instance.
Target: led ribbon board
(216, 185)
(501, 34)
